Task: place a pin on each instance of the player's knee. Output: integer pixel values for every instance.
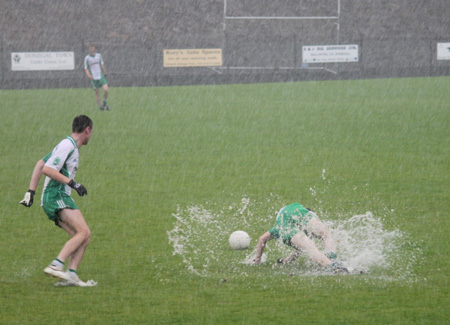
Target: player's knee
(86, 234)
(322, 231)
(87, 240)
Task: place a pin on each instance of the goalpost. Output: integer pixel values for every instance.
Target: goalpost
(225, 15)
(227, 18)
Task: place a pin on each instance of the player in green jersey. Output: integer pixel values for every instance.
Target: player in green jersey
(95, 70)
(60, 167)
(293, 225)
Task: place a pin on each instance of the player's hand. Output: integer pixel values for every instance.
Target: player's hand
(28, 199)
(81, 190)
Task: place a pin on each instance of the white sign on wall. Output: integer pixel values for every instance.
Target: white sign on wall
(330, 53)
(443, 51)
(42, 61)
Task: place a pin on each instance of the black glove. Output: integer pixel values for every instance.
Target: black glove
(81, 190)
(28, 199)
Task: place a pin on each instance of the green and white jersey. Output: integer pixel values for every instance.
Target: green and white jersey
(47, 157)
(290, 220)
(93, 64)
(64, 158)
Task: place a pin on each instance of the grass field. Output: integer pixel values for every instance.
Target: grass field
(221, 158)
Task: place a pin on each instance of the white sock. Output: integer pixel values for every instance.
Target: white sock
(56, 262)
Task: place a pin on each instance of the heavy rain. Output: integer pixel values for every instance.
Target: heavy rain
(208, 118)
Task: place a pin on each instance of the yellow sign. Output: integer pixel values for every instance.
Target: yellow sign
(193, 58)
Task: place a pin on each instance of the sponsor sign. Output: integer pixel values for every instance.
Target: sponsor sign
(42, 61)
(443, 51)
(192, 58)
(330, 53)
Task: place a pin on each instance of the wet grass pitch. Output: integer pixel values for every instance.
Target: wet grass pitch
(172, 171)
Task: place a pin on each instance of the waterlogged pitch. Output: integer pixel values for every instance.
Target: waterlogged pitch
(173, 171)
(200, 235)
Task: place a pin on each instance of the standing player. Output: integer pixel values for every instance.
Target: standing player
(293, 224)
(60, 168)
(94, 67)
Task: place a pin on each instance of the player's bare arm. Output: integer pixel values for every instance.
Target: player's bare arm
(35, 177)
(57, 176)
(261, 245)
(104, 70)
(88, 74)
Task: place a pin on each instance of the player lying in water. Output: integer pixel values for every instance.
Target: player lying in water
(293, 225)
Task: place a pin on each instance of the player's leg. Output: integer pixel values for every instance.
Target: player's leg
(292, 257)
(71, 276)
(105, 92)
(72, 221)
(97, 98)
(319, 230)
(76, 256)
(105, 96)
(307, 246)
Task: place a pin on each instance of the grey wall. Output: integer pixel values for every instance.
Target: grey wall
(397, 38)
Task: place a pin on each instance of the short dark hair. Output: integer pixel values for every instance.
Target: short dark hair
(80, 123)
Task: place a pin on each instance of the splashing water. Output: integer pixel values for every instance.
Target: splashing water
(200, 237)
(323, 174)
(365, 244)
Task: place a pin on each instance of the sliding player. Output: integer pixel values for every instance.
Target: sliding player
(293, 224)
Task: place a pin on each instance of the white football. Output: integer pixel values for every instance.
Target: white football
(239, 240)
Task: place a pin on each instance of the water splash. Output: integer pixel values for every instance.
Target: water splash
(323, 174)
(200, 237)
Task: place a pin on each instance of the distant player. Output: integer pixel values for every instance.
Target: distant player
(94, 67)
(60, 167)
(293, 225)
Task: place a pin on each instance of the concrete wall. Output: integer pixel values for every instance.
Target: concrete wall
(397, 38)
